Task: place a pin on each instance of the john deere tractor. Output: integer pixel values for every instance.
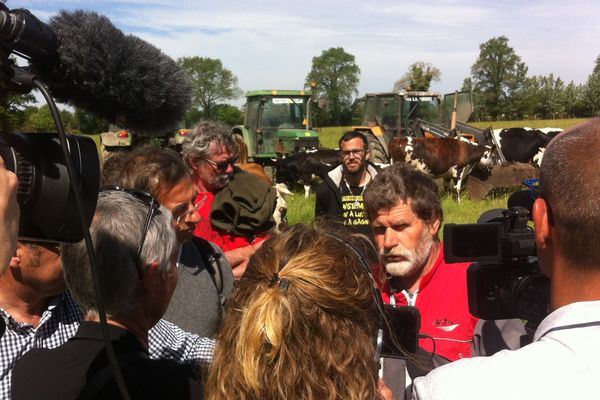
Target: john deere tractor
(277, 122)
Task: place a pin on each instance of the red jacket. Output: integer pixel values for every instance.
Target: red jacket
(444, 307)
(206, 231)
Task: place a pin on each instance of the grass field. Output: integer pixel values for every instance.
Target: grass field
(467, 212)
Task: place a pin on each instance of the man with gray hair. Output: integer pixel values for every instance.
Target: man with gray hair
(237, 209)
(136, 251)
(562, 361)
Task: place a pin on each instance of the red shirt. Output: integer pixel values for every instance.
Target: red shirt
(443, 303)
(205, 230)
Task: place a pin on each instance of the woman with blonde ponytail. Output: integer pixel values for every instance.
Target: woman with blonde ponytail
(300, 324)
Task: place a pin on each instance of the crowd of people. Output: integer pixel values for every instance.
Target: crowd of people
(204, 299)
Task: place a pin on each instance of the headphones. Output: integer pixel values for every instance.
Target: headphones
(377, 299)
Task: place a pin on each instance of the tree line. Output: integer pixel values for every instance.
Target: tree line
(499, 82)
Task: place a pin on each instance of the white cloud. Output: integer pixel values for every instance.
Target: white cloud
(270, 44)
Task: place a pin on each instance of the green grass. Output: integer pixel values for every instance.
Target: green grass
(467, 212)
(330, 136)
(533, 123)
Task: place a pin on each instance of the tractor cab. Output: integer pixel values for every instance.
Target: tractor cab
(277, 121)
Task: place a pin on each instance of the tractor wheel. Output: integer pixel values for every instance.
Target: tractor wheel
(378, 154)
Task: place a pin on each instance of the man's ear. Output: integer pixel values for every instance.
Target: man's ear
(434, 227)
(541, 222)
(152, 278)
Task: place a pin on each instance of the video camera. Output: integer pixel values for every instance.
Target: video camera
(45, 194)
(505, 280)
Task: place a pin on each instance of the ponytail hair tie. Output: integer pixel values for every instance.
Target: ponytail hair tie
(283, 284)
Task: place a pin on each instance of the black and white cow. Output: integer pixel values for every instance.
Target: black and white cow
(303, 166)
(524, 145)
(441, 157)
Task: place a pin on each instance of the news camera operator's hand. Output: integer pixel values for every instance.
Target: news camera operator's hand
(9, 215)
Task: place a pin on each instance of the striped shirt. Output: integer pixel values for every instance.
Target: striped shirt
(60, 322)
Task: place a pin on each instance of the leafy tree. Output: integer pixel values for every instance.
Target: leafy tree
(573, 100)
(41, 119)
(89, 123)
(497, 73)
(523, 99)
(418, 77)
(229, 114)
(212, 83)
(337, 76)
(549, 103)
(592, 90)
(192, 117)
(13, 112)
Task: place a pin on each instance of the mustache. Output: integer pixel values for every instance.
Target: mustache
(396, 251)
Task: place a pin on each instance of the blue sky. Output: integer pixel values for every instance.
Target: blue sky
(270, 44)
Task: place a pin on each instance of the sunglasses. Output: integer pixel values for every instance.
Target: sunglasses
(223, 165)
(153, 209)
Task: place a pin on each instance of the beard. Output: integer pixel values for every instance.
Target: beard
(354, 168)
(414, 259)
(221, 180)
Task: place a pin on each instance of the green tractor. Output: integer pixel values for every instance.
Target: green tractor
(277, 122)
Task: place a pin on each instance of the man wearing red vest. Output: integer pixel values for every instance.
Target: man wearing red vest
(405, 213)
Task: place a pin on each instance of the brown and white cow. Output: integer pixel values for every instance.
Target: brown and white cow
(441, 157)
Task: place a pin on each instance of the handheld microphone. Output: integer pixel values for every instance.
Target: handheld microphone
(93, 65)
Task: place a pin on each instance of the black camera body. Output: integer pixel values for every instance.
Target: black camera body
(505, 281)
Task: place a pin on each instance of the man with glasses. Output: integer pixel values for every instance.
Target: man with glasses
(205, 277)
(136, 253)
(237, 210)
(340, 196)
(562, 361)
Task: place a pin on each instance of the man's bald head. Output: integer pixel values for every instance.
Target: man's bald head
(570, 183)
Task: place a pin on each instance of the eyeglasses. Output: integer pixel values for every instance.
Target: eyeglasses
(153, 209)
(222, 165)
(356, 153)
(182, 216)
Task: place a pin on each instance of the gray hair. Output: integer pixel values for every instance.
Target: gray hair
(197, 144)
(116, 230)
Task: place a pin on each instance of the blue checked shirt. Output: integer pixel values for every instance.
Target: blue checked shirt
(60, 322)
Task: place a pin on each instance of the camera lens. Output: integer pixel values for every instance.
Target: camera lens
(45, 195)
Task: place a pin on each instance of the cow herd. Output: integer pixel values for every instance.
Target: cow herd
(447, 158)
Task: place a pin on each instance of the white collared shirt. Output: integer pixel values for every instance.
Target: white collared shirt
(563, 362)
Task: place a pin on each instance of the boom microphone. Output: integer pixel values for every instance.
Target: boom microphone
(118, 77)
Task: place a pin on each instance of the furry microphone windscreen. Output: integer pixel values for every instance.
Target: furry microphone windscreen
(118, 77)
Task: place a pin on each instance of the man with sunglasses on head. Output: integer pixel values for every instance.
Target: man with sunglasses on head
(237, 209)
(136, 253)
(340, 196)
(205, 277)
